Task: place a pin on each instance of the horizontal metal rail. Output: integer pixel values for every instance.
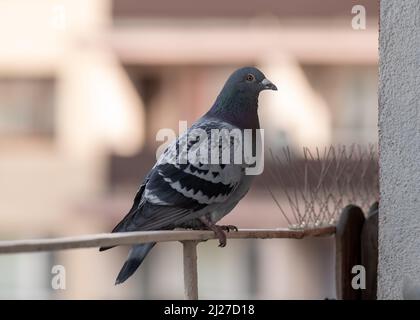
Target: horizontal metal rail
(189, 239)
(128, 238)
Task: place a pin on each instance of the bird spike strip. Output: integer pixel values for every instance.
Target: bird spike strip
(312, 188)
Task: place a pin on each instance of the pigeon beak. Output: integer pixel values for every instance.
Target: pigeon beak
(268, 85)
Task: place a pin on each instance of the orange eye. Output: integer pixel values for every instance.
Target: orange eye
(250, 77)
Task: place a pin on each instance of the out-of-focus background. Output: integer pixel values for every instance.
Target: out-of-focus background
(86, 85)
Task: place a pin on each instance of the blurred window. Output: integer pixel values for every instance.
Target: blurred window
(26, 276)
(350, 92)
(27, 107)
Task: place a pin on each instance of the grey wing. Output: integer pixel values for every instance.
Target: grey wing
(174, 192)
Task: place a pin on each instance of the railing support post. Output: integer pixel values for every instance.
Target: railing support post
(370, 253)
(348, 250)
(190, 270)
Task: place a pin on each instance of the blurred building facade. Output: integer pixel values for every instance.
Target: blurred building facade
(86, 85)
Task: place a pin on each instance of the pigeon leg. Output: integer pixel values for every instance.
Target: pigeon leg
(218, 231)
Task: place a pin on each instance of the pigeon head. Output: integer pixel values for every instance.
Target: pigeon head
(248, 81)
(238, 100)
(242, 89)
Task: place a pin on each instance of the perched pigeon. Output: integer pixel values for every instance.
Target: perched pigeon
(196, 194)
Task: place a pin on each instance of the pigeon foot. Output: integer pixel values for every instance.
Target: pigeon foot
(229, 228)
(218, 230)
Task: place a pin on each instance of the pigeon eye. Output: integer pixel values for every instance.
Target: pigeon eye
(250, 77)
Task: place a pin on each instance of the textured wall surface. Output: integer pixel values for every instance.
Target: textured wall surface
(399, 138)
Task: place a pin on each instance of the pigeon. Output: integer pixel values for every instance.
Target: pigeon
(184, 191)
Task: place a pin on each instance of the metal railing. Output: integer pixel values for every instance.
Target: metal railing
(188, 238)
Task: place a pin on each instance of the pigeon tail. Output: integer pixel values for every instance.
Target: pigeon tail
(135, 258)
(106, 248)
